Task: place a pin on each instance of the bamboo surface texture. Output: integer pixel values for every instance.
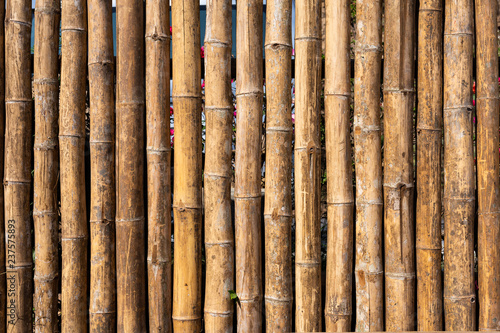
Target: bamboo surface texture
(3, 281)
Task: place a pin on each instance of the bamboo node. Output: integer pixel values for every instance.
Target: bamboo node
(458, 34)
(219, 313)
(400, 276)
(399, 91)
(72, 29)
(219, 108)
(157, 151)
(41, 213)
(186, 96)
(160, 37)
(15, 101)
(216, 175)
(342, 203)
(46, 145)
(257, 93)
(440, 10)
(480, 213)
(47, 10)
(270, 299)
(472, 298)
(308, 39)
(182, 208)
(132, 220)
(368, 49)
(488, 98)
(7, 182)
(221, 243)
(277, 45)
(398, 186)
(27, 24)
(216, 42)
(101, 62)
(45, 81)
(429, 128)
(338, 94)
(186, 318)
(310, 263)
(279, 129)
(459, 108)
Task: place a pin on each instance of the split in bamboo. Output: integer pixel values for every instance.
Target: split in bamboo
(308, 311)
(102, 309)
(3, 281)
(130, 220)
(219, 235)
(340, 196)
(278, 199)
(18, 159)
(369, 267)
(46, 166)
(158, 165)
(187, 206)
(459, 184)
(488, 181)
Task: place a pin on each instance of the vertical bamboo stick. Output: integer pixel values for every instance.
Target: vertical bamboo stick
(399, 93)
(308, 311)
(158, 160)
(278, 199)
(459, 296)
(429, 148)
(247, 194)
(187, 311)
(487, 165)
(369, 267)
(340, 196)
(46, 155)
(219, 236)
(3, 281)
(130, 220)
(102, 154)
(17, 181)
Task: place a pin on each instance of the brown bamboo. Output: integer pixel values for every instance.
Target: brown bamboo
(158, 164)
(187, 311)
(3, 281)
(102, 309)
(46, 166)
(308, 311)
(219, 235)
(488, 181)
(247, 193)
(340, 196)
(369, 266)
(130, 220)
(459, 183)
(429, 148)
(17, 179)
(278, 198)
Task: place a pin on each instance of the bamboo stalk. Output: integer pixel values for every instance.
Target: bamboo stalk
(187, 310)
(307, 166)
(219, 234)
(46, 168)
(158, 164)
(369, 266)
(429, 148)
(459, 187)
(340, 196)
(278, 199)
(247, 193)
(130, 220)
(487, 166)
(3, 281)
(102, 155)
(17, 179)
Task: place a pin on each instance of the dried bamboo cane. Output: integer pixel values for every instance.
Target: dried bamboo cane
(219, 236)
(487, 164)
(3, 281)
(46, 155)
(340, 196)
(102, 310)
(187, 309)
(17, 181)
(278, 199)
(459, 184)
(429, 148)
(130, 220)
(158, 164)
(369, 267)
(308, 311)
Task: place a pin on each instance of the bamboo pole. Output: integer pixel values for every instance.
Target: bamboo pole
(308, 311)
(219, 234)
(340, 196)
(3, 281)
(46, 166)
(130, 220)
(487, 166)
(429, 148)
(278, 199)
(102, 310)
(459, 184)
(17, 179)
(158, 164)
(369, 266)
(187, 310)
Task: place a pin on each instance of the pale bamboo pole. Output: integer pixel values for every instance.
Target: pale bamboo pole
(308, 311)
(18, 159)
(46, 166)
(219, 235)
(3, 281)
(488, 181)
(429, 148)
(369, 267)
(459, 182)
(187, 205)
(102, 308)
(278, 199)
(158, 165)
(340, 196)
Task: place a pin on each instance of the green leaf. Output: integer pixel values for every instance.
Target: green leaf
(234, 296)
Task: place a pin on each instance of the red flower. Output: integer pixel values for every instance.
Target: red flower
(171, 110)
(474, 87)
(170, 29)
(203, 52)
